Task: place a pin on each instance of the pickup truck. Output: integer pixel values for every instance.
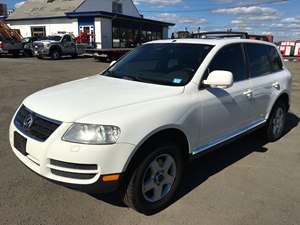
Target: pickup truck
(10, 46)
(58, 45)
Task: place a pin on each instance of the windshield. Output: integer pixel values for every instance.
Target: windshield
(52, 38)
(26, 40)
(171, 64)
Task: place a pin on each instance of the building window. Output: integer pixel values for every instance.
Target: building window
(117, 7)
(130, 34)
(38, 31)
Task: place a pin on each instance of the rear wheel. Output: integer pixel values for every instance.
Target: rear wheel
(274, 129)
(74, 55)
(155, 180)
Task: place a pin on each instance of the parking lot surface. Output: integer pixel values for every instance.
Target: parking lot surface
(246, 182)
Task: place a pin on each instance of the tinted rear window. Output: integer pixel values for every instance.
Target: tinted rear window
(258, 60)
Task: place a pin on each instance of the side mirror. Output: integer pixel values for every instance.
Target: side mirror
(219, 78)
(112, 63)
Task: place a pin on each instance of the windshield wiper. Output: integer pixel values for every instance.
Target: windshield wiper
(136, 78)
(111, 74)
(147, 80)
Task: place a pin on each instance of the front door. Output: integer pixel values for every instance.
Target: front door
(225, 112)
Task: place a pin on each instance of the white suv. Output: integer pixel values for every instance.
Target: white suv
(134, 126)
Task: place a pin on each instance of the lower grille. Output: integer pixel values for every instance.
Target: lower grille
(82, 176)
(73, 170)
(34, 125)
(73, 165)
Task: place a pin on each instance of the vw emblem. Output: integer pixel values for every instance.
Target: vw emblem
(28, 121)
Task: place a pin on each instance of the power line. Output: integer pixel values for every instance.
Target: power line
(211, 9)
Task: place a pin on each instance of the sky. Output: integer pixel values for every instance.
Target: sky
(278, 17)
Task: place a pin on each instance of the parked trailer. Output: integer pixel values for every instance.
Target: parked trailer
(287, 48)
(297, 49)
(108, 55)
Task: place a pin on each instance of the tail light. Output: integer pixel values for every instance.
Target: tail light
(1, 44)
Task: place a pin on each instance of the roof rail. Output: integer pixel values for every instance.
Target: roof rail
(220, 34)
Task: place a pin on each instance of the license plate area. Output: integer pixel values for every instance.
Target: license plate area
(20, 143)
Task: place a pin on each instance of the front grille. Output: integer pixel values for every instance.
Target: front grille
(40, 127)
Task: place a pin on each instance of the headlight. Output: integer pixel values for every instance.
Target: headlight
(92, 134)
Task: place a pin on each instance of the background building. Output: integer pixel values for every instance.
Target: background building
(112, 23)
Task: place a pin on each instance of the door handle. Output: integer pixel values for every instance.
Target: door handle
(276, 85)
(248, 93)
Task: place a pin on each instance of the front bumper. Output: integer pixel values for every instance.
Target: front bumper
(2, 51)
(41, 52)
(75, 165)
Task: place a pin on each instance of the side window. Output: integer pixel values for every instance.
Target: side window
(230, 58)
(275, 59)
(67, 38)
(258, 60)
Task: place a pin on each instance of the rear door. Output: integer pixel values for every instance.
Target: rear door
(265, 67)
(225, 112)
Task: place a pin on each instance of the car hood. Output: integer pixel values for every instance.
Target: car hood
(71, 101)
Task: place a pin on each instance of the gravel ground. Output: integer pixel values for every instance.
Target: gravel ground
(246, 182)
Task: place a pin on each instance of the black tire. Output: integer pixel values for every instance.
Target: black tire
(55, 54)
(133, 195)
(16, 53)
(28, 53)
(75, 55)
(275, 127)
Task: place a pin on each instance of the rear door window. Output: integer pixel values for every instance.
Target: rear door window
(258, 60)
(230, 58)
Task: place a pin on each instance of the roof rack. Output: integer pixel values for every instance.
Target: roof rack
(220, 34)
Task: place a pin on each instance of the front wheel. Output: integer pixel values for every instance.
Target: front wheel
(274, 129)
(16, 53)
(155, 180)
(55, 54)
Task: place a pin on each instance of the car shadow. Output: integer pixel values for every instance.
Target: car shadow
(200, 169)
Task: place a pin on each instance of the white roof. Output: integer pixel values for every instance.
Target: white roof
(220, 41)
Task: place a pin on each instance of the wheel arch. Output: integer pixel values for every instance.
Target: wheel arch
(166, 133)
(284, 96)
(55, 47)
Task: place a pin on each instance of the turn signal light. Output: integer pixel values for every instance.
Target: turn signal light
(111, 177)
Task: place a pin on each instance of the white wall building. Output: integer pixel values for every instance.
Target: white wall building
(114, 23)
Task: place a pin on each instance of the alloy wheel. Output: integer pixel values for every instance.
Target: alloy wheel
(159, 178)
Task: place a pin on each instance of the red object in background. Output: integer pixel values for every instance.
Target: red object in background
(268, 38)
(84, 38)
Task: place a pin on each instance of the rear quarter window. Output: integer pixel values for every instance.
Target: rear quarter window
(274, 58)
(259, 63)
